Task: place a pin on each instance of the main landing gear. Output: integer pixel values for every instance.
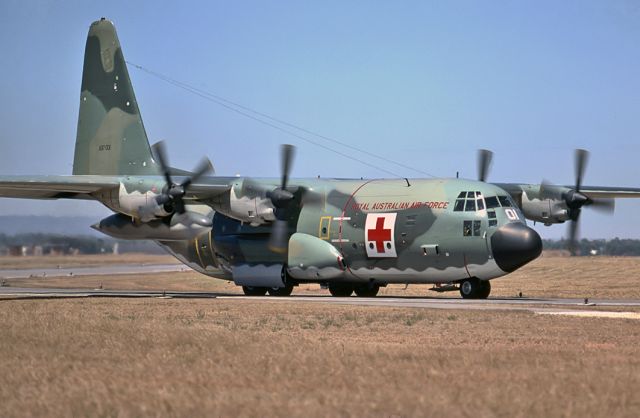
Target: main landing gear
(273, 291)
(254, 291)
(365, 290)
(280, 291)
(474, 288)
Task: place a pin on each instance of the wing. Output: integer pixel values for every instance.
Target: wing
(87, 187)
(610, 192)
(592, 192)
(55, 187)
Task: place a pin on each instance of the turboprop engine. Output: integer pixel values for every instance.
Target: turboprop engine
(143, 206)
(159, 216)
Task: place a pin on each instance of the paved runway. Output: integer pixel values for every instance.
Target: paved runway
(117, 269)
(537, 305)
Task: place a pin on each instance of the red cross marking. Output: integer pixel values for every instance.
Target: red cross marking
(379, 235)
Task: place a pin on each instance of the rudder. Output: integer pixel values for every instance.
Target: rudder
(111, 139)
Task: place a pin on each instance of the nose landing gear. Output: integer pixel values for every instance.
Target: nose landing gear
(474, 288)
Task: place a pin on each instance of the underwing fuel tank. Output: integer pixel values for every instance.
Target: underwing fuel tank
(311, 258)
(179, 227)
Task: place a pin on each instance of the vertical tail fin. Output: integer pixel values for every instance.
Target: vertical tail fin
(111, 139)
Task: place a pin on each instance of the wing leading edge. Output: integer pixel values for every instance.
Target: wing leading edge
(610, 192)
(55, 187)
(86, 187)
(592, 192)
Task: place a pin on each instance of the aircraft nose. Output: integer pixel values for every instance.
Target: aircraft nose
(514, 245)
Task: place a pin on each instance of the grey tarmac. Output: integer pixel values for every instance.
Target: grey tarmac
(114, 269)
(556, 306)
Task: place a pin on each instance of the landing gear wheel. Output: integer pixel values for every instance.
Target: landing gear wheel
(485, 290)
(341, 290)
(254, 291)
(280, 291)
(367, 290)
(474, 288)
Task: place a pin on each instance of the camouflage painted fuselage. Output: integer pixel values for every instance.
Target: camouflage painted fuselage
(423, 239)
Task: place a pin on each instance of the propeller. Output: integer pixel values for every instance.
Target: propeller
(484, 163)
(172, 196)
(280, 198)
(575, 199)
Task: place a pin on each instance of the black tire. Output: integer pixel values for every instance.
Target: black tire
(254, 291)
(367, 290)
(341, 290)
(474, 288)
(280, 291)
(485, 289)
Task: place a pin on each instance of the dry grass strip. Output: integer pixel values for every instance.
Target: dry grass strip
(124, 357)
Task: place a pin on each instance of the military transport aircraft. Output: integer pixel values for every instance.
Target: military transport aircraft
(269, 235)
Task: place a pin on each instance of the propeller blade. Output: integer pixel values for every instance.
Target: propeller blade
(178, 204)
(484, 163)
(581, 158)
(607, 206)
(159, 150)
(312, 197)
(573, 235)
(280, 197)
(286, 154)
(279, 239)
(549, 190)
(203, 168)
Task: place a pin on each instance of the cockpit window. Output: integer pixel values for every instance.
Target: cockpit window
(505, 201)
(492, 202)
(469, 202)
(470, 206)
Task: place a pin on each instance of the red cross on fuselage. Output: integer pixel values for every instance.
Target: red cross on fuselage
(379, 235)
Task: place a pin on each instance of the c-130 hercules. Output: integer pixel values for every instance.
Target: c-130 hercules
(269, 235)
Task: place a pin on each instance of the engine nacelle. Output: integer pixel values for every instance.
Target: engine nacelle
(252, 207)
(546, 211)
(138, 204)
(178, 227)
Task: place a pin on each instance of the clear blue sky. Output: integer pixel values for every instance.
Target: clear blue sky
(424, 83)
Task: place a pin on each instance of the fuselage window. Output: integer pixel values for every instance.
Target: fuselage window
(466, 228)
(492, 202)
(476, 228)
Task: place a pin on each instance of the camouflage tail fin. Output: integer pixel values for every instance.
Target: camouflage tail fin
(111, 139)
